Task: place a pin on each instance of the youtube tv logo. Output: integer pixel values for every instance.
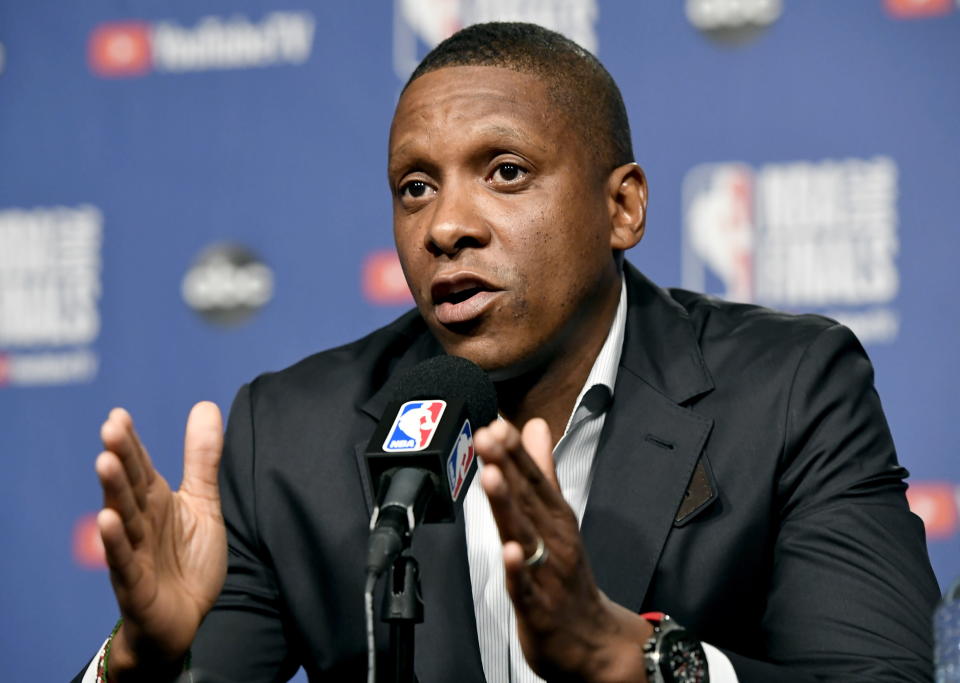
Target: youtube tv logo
(135, 47)
(917, 9)
(120, 49)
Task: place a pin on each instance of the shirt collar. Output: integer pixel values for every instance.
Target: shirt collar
(597, 391)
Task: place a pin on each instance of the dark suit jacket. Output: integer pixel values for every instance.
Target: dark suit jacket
(790, 545)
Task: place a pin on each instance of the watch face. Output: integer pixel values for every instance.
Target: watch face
(682, 659)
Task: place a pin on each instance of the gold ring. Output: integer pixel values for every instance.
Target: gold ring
(539, 556)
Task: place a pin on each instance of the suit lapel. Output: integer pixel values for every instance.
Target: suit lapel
(447, 644)
(650, 444)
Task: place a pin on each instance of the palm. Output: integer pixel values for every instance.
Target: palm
(166, 550)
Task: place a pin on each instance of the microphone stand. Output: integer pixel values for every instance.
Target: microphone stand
(405, 494)
(402, 609)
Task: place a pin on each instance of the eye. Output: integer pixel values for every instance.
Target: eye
(414, 189)
(508, 173)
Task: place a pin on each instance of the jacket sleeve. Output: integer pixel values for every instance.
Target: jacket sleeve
(852, 591)
(244, 635)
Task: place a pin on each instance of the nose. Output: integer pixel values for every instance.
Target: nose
(456, 223)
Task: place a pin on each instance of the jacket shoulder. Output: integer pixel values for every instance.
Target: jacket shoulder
(713, 318)
(744, 343)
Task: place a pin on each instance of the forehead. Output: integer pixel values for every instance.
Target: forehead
(466, 101)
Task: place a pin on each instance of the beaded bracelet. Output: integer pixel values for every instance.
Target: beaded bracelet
(102, 663)
(105, 655)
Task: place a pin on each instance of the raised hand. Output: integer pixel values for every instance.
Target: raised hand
(568, 629)
(166, 550)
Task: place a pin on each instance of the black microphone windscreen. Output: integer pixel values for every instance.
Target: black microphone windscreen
(449, 377)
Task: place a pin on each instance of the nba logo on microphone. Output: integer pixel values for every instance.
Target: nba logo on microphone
(460, 460)
(414, 426)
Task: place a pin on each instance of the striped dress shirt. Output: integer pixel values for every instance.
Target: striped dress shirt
(500, 652)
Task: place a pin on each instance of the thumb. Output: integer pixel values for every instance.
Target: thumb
(202, 445)
(538, 444)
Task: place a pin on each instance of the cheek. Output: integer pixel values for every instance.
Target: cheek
(542, 268)
(409, 252)
(520, 311)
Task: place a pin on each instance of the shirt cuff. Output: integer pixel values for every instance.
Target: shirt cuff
(718, 664)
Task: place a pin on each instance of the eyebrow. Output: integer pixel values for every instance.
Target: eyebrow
(507, 131)
(493, 130)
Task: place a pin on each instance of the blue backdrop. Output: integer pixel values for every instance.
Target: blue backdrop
(192, 193)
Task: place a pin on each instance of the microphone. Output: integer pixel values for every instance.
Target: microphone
(421, 457)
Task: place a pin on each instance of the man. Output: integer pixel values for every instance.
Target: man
(740, 473)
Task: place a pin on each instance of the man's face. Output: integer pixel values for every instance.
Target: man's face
(501, 218)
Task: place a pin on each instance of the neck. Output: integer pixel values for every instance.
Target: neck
(551, 387)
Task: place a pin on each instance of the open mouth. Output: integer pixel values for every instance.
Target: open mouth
(461, 299)
(461, 296)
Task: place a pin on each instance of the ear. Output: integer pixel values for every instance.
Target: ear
(627, 199)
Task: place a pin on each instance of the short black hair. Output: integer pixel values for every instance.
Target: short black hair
(575, 79)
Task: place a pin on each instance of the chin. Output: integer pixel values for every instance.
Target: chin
(485, 352)
(490, 355)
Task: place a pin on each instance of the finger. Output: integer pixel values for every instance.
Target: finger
(501, 444)
(494, 441)
(118, 495)
(520, 542)
(514, 557)
(119, 553)
(515, 504)
(202, 447)
(140, 449)
(526, 467)
(118, 436)
(513, 522)
(525, 593)
(538, 443)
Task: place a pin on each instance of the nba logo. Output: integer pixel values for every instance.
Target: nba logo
(719, 233)
(460, 460)
(414, 426)
(419, 26)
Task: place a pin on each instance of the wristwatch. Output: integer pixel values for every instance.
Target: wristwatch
(671, 654)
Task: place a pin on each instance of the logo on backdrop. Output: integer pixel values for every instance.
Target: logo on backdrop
(414, 427)
(804, 236)
(50, 262)
(3, 58)
(88, 549)
(125, 49)
(227, 284)
(935, 502)
(382, 279)
(918, 9)
(420, 25)
(733, 22)
(121, 49)
(460, 459)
